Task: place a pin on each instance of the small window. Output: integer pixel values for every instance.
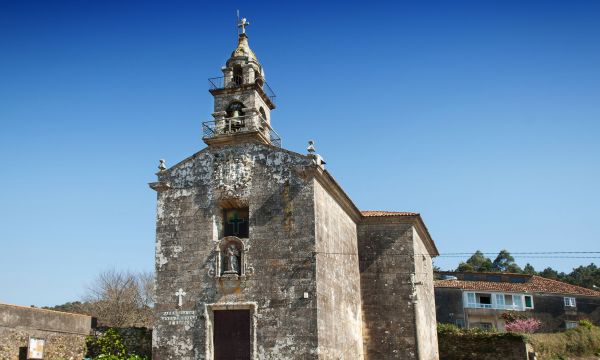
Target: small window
(570, 302)
(517, 301)
(484, 326)
(570, 324)
(500, 300)
(236, 222)
(471, 299)
(528, 302)
(518, 279)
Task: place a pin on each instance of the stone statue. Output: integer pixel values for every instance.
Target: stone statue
(232, 260)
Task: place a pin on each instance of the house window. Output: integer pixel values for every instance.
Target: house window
(500, 300)
(570, 302)
(471, 300)
(484, 326)
(236, 222)
(570, 324)
(517, 301)
(459, 323)
(484, 300)
(528, 302)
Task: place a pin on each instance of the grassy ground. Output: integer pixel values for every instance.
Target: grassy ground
(580, 343)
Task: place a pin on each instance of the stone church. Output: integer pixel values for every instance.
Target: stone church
(260, 254)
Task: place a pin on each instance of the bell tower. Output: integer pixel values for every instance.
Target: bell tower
(242, 100)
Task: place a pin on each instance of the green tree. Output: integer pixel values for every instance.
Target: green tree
(550, 273)
(477, 262)
(586, 276)
(529, 269)
(505, 262)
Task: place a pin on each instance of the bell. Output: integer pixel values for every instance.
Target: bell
(236, 113)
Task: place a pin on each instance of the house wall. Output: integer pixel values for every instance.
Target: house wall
(548, 308)
(338, 280)
(280, 252)
(386, 257)
(449, 305)
(551, 310)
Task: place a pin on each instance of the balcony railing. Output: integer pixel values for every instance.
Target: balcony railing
(495, 306)
(240, 124)
(219, 83)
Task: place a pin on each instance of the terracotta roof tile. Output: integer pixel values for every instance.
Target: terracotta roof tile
(536, 284)
(387, 213)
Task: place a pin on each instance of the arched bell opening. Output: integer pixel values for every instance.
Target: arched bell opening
(235, 119)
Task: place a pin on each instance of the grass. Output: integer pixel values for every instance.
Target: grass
(584, 340)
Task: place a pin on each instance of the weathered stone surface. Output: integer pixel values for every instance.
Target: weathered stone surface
(64, 332)
(397, 290)
(484, 347)
(318, 279)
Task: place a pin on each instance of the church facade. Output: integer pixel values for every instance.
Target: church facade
(260, 254)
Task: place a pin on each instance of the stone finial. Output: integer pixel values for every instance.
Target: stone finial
(311, 147)
(161, 165)
(317, 159)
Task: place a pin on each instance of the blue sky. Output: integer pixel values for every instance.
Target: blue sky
(481, 115)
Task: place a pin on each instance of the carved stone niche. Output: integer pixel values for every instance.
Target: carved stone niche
(230, 257)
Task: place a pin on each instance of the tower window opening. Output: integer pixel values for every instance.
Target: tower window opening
(238, 75)
(262, 113)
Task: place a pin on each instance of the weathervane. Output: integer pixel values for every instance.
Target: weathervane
(242, 23)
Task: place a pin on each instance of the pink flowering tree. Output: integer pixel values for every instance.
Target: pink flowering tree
(529, 326)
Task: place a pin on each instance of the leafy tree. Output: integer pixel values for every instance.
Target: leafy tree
(529, 269)
(477, 262)
(586, 276)
(505, 262)
(550, 273)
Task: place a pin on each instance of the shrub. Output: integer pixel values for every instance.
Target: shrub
(109, 346)
(527, 326)
(586, 324)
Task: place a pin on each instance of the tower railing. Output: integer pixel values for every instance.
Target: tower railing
(240, 124)
(218, 83)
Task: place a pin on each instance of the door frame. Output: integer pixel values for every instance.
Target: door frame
(209, 310)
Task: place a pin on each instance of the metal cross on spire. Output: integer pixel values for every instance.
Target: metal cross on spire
(242, 23)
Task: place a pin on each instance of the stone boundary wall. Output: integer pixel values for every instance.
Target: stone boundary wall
(483, 347)
(64, 332)
(13, 344)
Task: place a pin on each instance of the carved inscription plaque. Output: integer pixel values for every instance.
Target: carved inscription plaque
(179, 317)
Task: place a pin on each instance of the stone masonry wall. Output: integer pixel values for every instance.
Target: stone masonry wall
(338, 280)
(13, 344)
(482, 347)
(386, 263)
(425, 301)
(280, 262)
(64, 332)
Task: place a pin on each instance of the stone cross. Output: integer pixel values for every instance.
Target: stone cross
(180, 294)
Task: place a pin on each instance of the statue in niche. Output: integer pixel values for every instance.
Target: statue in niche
(231, 263)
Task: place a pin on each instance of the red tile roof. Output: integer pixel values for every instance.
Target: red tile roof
(387, 213)
(536, 284)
